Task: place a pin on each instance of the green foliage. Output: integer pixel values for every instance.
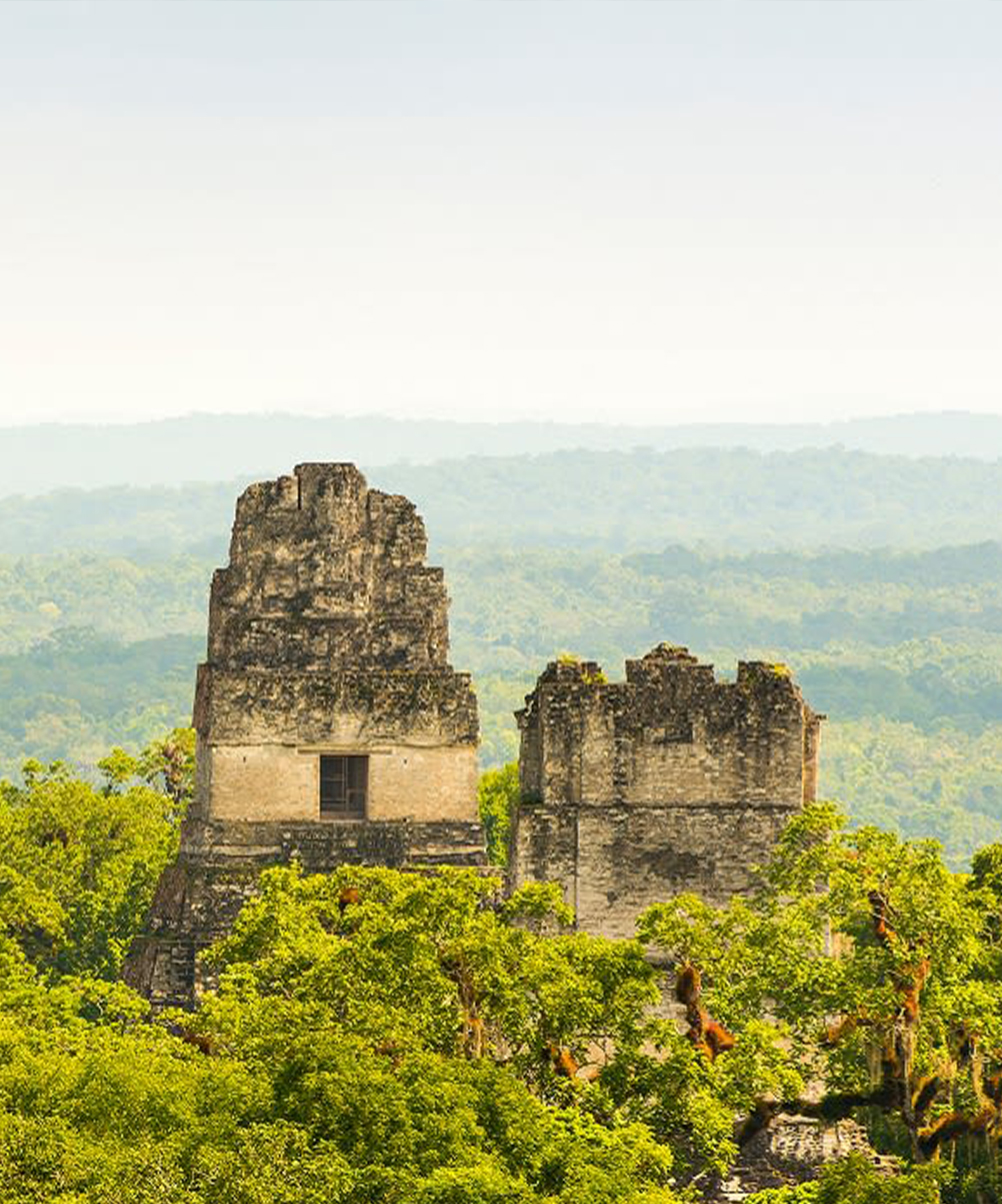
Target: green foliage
(856, 1181)
(902, 650)
(538, 904)
(986, 869)
(169, 765)
(408, 1047)
(389, 1050)
(78, 692)
(944, 783)
(78, 865)
(497, 796)
(409, 1039)
(638, 499)
(879, 967)
(117, 768)
(129, 597)
(413, 1028)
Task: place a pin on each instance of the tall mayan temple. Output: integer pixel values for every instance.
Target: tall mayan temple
(669, 781)
(332, 729)
(330, 725)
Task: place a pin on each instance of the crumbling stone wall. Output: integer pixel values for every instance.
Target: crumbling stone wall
(328, 633)
(328, 637)
(793, 1150)
(669, 781)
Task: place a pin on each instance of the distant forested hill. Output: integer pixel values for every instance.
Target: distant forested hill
(727, 500)
(903, 650)
(78, 693)
(877, 578)
(214, 447)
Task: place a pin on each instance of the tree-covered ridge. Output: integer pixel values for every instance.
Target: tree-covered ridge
(77, 692)
(206, 447)
(611, 603)
(902, 650)
(386, 1037)
(130, 599)
(730, 499)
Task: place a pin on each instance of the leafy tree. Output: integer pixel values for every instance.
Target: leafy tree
(497, 797)
(856, 1181)
(78, 866)
(877, 965)
(986, 869)
(380, 1037)
(431, 1028)
(168, 764)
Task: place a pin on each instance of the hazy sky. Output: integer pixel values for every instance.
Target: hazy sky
(635, 212)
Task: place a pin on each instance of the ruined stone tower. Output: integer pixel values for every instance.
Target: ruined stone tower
(670, 781)
(330, 725)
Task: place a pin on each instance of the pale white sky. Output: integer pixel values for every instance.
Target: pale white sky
(637, 212)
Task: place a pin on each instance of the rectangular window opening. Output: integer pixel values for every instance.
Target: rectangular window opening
(344, 786)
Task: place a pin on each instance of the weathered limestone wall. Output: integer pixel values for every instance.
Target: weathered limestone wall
(793, 1150)
(670, 781)
(614, 860)
(405, 781)
(670, 733)
(261, 735)
(199, 896)
(324, 571)
(328, 635)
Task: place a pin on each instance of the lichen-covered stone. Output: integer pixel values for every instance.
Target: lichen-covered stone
(668, 781)
(792, 1150)
(328, 636)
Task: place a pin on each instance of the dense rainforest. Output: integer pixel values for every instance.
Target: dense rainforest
(728, 499)
(418, 1039)
(378, 1037)
(901, 649)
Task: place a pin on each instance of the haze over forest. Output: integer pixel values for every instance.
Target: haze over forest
(218, 447)
(677, 322)
(876, 576)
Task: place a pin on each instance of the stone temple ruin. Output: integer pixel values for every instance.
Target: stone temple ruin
(669, 781)
(330, 726)
(332, 729)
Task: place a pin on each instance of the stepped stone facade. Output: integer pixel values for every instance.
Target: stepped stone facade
(669, 781)
(330, 725)
(332, 729)
(792, 1150)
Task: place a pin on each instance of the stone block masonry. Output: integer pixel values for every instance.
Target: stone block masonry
(332, 729)
(330, 725)
(669, 781)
